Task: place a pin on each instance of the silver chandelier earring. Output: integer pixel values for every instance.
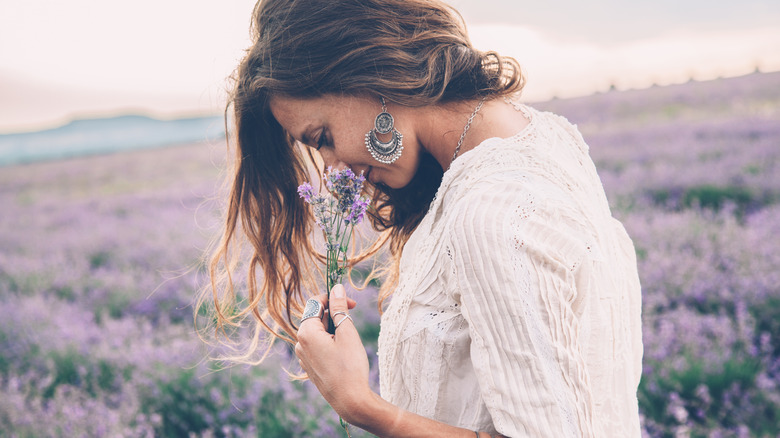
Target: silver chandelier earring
(384, 152)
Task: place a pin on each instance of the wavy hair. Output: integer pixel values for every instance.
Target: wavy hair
(413, 53)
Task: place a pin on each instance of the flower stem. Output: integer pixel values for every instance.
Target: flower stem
(332, 267)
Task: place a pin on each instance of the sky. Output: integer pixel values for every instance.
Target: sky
(171, 58)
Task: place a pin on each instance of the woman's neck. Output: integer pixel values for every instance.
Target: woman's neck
(438, 129)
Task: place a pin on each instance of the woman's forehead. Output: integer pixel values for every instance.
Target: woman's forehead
(295, 116)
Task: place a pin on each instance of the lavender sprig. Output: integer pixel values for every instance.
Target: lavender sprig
(336, 211)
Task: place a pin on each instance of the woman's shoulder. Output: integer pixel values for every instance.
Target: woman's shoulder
(501, 201)
(511, 198)
(502, 173)
(545, 139)
(545, 164)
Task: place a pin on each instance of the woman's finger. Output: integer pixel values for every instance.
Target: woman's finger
(323, 299)
(315, 324)
(339, 306)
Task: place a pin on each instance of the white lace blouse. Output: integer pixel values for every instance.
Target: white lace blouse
(518, 306)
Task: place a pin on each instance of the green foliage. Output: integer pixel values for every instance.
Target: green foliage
(66, 370)
(715, 197)
(273, 419)
(5, 361)
(114, 304)
(183, 403)
(752, 169)
(711, 197)
(660, 197)
(69, 367)
(369, 333)
(193, 404)
(65, 292)
(99, 259)
(767, 317)
(737, 371)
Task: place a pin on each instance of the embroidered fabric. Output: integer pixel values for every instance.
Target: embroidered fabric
(518, 305)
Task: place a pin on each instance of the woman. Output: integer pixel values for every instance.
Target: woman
(516, 303)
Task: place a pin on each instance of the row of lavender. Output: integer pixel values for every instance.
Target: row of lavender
(100, 257)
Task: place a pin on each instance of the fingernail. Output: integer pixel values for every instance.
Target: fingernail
(338, 291)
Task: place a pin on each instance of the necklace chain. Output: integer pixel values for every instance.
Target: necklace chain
(466, 129)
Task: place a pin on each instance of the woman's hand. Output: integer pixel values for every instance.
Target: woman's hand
(336, 364)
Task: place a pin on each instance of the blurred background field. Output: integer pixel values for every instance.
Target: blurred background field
(100, 257)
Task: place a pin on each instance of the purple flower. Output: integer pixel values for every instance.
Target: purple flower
(342, 204)
(305, 191)
(357, 210)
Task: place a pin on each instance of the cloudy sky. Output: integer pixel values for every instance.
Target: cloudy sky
(166, 58)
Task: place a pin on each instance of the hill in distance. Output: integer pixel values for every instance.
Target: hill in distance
(106, 135)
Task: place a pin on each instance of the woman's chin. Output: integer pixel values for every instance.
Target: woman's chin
(374, 176)
(395, 184)
(380, 177)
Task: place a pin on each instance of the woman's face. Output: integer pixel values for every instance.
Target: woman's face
(337, 125)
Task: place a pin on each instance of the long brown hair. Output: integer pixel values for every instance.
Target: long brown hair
(411, 52)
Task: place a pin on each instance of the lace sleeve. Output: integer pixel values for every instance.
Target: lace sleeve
(516, 265)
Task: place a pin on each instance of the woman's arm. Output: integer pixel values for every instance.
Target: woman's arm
(514, 268)
(386, 420)
(338, 366)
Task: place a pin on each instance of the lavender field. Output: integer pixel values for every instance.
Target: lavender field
(100, 258)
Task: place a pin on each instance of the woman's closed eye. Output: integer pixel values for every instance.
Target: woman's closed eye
(322, 140)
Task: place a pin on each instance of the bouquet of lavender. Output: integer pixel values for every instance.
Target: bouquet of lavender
(337, 212)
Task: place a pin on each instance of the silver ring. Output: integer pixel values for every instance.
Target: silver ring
(346, 317)
(313, 309)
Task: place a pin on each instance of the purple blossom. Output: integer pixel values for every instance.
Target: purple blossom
(357, 210)
(342, 204)
(306, 191)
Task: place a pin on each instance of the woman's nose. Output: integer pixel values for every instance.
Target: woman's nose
(330, 159)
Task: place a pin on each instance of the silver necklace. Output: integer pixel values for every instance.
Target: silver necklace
(466, 129)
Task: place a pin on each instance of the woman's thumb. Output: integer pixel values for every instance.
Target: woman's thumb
(338, 299)
(338, 307)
